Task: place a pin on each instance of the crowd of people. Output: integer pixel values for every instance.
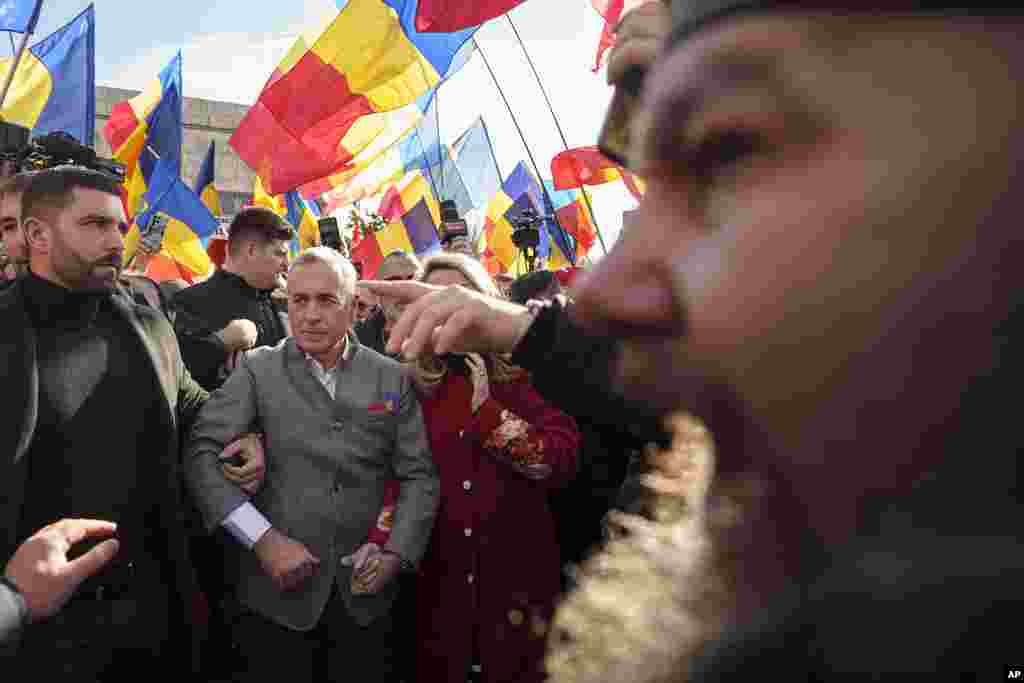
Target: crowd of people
(768, 433)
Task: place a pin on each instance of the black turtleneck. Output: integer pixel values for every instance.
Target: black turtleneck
(98, 401)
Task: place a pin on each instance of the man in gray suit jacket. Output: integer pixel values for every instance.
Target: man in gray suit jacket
(340, 421)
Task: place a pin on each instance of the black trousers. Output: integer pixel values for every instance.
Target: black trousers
(100, 641)
(336, 649)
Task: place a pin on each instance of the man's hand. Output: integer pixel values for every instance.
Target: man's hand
(285, 560)
(239, 335)
(250, 474)
(372, 569)
(450, 319)
(40, 567)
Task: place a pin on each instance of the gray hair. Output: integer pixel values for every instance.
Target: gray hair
(341, 266)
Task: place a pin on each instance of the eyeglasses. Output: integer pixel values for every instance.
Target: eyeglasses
(398, 278)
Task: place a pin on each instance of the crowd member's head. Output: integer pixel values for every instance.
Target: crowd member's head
(458, 269)
(11, 190)
(824, 258)
(398, 265)
(366, 302)
(258, 242)
(73, 221)
(321, 300)
(541, 285)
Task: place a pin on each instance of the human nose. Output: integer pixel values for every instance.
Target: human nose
(630, 291)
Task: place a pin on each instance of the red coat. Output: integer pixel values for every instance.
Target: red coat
(493, 558)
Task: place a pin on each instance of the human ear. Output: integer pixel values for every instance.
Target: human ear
(37, 234)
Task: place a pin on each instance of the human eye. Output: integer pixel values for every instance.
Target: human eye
(721, 155)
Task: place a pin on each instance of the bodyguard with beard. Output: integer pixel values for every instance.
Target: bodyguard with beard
(95, 394)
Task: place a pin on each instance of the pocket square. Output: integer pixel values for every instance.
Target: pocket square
(379, 408)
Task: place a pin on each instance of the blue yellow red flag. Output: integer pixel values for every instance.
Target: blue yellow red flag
(54, 86)
(206, 186)
(306, 124)
(175, 217)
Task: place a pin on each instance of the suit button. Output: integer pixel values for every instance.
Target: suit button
(467, 485)
(337, 426)
(468, 532)
(462, 432)
(470, 578)
(516, 617)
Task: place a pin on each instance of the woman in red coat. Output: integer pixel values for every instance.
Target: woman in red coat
(490, 577)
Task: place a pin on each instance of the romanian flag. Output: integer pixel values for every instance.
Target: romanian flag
(261, 198)
(574, 216)
(308, 122)
(54, 88)
(152, 118)
(520, 192)
(401, 198)
(205, 182)
(445, 16)
(587, 166)
(304, 217)
(187, 223)
(20, 16)
(389, 155)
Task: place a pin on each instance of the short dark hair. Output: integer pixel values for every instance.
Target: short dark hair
(52, 188)
(16, 183)
(256, 224)
(530, 286)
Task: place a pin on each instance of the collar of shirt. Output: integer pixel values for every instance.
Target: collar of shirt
(328, 378)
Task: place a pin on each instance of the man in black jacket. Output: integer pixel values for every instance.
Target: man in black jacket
(95, 396)
(234, 310)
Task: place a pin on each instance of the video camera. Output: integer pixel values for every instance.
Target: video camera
(20, 153)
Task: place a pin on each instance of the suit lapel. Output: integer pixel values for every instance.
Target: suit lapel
(157, 358)
(303, 380)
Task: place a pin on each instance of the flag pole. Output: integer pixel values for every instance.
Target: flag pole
(536, 168)
(14, 67)
(558, 125)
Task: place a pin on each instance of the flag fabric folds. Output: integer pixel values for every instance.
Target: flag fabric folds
(518, 193)
(308, 123)
(385, 159)
(574, 216)
(188, 223)
(304, 218)
(454, 15)
(157, 106)
(475, 161)
(260, 197)
(206, 182)
(19, 16)
(583, 166)
(54, 87)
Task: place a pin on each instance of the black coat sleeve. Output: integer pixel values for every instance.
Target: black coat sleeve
(573, 370)
(201, 349)
(13, 614)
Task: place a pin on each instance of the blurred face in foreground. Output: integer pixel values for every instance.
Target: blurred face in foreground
(820, 240)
